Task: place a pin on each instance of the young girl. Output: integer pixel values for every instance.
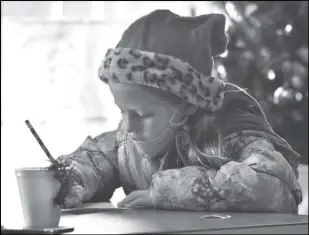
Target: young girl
(186, 140)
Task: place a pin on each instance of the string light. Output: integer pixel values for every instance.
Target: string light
(284, 93)
(224, 54)
(298, 96)
(222, 70)
(271, 74)
(288, 28)
(277, 94)
(231, 9)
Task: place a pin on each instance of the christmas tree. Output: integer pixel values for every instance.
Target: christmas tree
(268, 55)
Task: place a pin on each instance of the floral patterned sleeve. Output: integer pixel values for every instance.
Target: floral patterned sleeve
(260, 180)
(96, 167)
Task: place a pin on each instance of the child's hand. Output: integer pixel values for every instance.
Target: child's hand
(73, 198)
(140, 198)
(71, 190)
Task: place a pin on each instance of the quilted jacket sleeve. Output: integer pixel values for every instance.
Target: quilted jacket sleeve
(260, 180)
(96, 166)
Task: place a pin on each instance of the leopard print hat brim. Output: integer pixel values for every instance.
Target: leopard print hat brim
(131, 66)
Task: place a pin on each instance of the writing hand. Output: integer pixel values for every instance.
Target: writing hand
(139, 198)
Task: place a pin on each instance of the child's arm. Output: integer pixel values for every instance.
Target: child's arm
(96, 169)
(260, 181)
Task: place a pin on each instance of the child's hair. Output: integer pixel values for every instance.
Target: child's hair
(205, 141)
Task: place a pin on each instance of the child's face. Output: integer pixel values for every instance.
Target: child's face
(144, 116)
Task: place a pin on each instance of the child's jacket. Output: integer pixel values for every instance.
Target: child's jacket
(259, 173)
(172, 53)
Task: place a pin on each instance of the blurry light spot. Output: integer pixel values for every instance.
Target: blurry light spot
(240, 43)
(303, 53)
(284, 93)
(296, 81)
(279, 32)
(271, 74)
(277, 94)
(222, 70)
(231, 9)
(248, 55)
(224, 54)
(288, 28)
(287, 66)
(214, 73)
(299, 68)
(265, 53)
(250, 8)
(298, 96)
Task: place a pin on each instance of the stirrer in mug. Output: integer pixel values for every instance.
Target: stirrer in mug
(36, 136)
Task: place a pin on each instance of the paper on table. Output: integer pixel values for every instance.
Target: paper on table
(89, 208)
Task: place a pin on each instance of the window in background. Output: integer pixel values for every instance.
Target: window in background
(50, 54)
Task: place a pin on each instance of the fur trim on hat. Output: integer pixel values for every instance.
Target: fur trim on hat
(164, 72)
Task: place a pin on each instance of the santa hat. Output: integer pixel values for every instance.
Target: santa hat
(172, 53)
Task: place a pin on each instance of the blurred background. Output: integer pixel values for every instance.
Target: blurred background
(51, 50)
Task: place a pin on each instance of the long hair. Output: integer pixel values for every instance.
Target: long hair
(205, 139)
(204, 142)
